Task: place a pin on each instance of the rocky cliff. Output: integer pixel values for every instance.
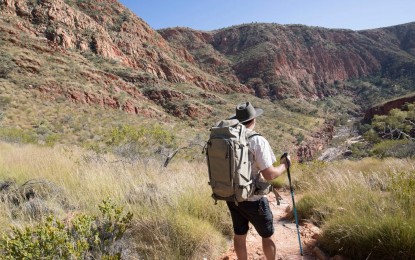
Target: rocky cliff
(280, 61)
(385, 108)
(108, 29)
(131, 62)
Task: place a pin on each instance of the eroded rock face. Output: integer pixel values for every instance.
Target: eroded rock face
(308, 149)
(108, 29)
(297, 61)
(384, 109)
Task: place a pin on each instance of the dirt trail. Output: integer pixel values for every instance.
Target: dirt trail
(285, 235)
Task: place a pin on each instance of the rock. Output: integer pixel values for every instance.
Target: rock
(347, 153)
(308, 149)
(310, 243)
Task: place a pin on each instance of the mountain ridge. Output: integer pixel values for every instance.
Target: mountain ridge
(304, 61)
(98, 56)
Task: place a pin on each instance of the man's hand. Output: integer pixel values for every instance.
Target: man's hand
(286, 159)
(273, 172)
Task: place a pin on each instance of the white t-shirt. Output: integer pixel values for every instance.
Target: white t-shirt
(263, 158)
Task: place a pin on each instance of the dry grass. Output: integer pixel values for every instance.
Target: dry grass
(366, 208)
(177, 196)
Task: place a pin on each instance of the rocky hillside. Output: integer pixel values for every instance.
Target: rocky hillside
(266, 59)
(139, 57)
(280, 61)
(105, 28)
(77, 68)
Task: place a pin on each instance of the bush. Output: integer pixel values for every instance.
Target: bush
(371, 136)
(395, 148)
(360, 150)
(85, 236)
(204, 240)
(4, 101)
(132, 141)
(314, 208)
(7, 65)
(15, 135)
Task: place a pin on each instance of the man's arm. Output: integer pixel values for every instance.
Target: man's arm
(273, 172)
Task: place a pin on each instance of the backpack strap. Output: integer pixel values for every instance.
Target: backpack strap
(250, 134)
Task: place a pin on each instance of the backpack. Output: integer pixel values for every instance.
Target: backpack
(228, 159)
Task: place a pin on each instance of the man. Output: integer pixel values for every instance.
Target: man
(256, 209)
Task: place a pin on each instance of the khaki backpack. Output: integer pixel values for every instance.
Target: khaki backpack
(228, 159)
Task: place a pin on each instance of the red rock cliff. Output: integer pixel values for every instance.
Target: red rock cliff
(304, 62)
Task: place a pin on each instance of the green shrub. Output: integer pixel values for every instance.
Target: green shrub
(371, 136)
(85, 236)
(132, 141)
(4, 101)
(204, 239)
(51, 139)
(394, 148)
(15, 135)
(314, 208)
(145, 135)
(7, 65)
(360, 150)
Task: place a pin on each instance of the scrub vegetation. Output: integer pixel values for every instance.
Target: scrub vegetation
(365, 208)
(50, 195)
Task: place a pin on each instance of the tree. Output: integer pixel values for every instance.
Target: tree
(398, 124)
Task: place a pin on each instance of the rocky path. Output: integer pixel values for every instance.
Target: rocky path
(285, 235)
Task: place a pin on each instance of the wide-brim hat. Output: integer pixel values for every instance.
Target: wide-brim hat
(245, 112)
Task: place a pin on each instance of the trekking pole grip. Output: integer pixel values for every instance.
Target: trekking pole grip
(288, 162)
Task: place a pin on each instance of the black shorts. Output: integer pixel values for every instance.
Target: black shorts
(257, 212)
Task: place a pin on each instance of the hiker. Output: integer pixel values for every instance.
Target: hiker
(256, 208)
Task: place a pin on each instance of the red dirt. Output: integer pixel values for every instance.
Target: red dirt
(285, 235)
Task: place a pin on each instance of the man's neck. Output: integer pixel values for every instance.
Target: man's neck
(250, 126)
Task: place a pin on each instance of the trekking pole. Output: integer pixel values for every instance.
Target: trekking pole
(292, 196)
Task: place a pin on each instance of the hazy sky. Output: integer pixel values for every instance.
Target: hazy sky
(216, 14)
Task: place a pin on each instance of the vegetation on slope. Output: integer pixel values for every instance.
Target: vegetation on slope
(173, 212)
(390, 135)
(366, 208)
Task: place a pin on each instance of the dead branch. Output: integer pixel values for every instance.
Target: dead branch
(172, 154)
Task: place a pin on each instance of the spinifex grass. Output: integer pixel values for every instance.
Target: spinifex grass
(174, 216)
(366, 208)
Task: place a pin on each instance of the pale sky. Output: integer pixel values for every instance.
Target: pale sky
(215, 14)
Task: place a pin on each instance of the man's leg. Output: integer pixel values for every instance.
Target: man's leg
(239, 243)
(264, 225)
(268, 246)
